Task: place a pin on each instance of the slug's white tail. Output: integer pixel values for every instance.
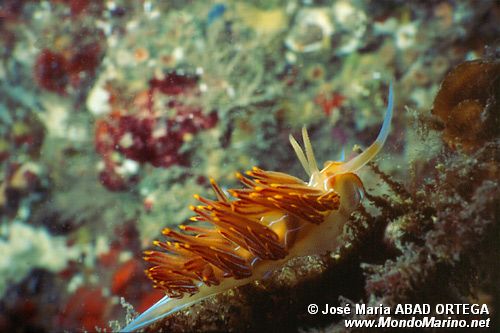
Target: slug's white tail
(164, 307)
(168, 306)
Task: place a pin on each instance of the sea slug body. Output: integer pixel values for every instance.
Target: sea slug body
(275, 218)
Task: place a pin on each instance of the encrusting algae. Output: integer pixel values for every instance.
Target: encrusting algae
(468, 102)
(277, 217)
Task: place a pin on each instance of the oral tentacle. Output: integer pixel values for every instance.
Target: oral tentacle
(366, 156)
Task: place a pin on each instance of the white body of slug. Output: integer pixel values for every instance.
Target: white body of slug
(300, 238)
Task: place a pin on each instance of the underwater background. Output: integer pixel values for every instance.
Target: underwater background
(114, 113)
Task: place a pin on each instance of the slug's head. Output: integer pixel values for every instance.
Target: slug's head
(348, 186)
(341, 176)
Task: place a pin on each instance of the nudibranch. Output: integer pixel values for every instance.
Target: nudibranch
(275, 218)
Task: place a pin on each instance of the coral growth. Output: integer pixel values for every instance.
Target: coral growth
(147, 134)
(50, 71)
(70, 63)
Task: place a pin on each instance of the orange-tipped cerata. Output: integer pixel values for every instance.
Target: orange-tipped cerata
(236, 232)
